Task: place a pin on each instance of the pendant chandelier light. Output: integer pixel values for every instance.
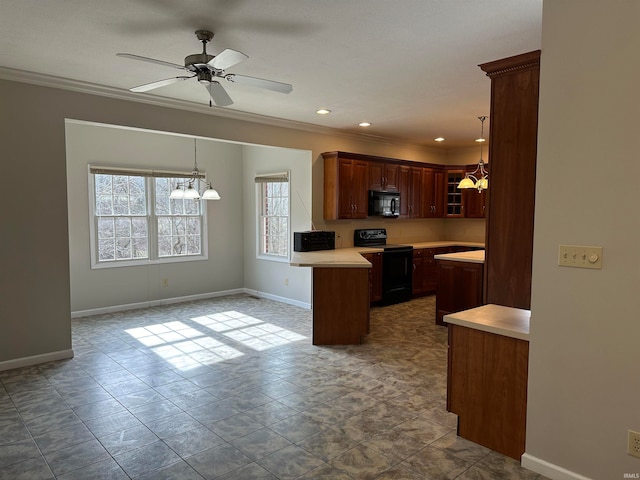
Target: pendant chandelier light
(190, 187)
(479, 178)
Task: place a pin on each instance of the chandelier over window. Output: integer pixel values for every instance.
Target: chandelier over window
(479, 178)
(190, 187)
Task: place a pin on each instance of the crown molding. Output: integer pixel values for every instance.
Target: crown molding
(50, 81)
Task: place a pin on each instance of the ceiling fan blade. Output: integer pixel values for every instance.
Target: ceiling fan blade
(260, 83)
(151, 60)
(227, 58)
(160, 83)
(219, 95)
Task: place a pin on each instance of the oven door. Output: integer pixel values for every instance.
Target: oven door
(397, 274)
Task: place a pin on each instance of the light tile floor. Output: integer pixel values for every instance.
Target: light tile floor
(231, 388)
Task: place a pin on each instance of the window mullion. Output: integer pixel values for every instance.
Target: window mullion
(152, 223)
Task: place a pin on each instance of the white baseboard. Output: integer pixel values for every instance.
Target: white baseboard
(186, 298)
(550, 470)
(35, 359)
(276, 298)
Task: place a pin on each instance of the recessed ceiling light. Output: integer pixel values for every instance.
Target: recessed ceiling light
(439, 139)
(364, 124)
(323, 111)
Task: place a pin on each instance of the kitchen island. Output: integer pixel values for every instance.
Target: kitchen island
(340, 290)
(340, 295)
(487, 376)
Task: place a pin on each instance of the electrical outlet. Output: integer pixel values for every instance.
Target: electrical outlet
(164, 282)
(286, 282)
(633, 443)
(578, 256)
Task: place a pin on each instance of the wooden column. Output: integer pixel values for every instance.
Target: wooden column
(511, 193)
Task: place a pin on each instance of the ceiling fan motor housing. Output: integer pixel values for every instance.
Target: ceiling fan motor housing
(198, 60)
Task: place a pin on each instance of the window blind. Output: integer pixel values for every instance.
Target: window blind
(141, 172)
(272, 177)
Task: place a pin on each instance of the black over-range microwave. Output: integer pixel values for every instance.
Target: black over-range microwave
(384, 204)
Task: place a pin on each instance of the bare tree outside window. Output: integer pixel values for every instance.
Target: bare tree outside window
(135, 220)
(274, 219)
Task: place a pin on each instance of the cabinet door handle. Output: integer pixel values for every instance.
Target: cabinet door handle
(414, 267)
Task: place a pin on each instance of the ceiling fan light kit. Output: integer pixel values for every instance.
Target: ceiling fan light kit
(207, 69)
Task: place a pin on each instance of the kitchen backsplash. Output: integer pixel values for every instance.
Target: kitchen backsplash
(411, 231)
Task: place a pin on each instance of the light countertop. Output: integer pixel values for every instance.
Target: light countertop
(472, 256)
(498, 319)
(351, 257)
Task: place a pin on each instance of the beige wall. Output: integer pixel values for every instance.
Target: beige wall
(583, 377)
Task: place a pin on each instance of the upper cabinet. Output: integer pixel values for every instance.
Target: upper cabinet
(433, 193)
(454, 206)
(346, 182)
(383, 176)
(474, 203)
(411, 189)
(467, 203)
(426, 190)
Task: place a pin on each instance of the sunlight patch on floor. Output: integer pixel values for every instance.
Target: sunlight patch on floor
(186, 347)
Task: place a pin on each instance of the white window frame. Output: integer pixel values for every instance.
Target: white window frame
(260, 180)
(152, 223)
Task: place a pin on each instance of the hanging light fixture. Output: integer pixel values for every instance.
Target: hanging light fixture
(479, 178)
(190, 187)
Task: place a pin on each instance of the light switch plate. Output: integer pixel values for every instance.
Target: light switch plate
(579, 256)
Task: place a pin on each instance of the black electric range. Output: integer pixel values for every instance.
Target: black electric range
(397, 264)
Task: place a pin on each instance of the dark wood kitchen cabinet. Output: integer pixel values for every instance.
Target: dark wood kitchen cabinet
(425, 278)
(383, 176)
(375, 276)
(487, 388)
(410, 182)
(474, 203)
(459, 287)
(418, 280)
(454, 207)
(346, 182)
(433, 193)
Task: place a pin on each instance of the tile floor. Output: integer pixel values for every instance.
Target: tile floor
(231, 388)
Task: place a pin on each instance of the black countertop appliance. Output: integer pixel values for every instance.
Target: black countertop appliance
(397, 264)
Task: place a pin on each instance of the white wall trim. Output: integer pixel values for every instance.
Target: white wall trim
(36, 359)
(154, 303)
(186, 298)
(61, 83)
(550, 470)
(288, 301)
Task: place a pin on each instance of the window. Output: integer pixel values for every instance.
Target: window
(135, 222)
(273, 216)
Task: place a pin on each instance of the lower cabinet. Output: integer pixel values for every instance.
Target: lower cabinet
(459, 287)
(487, 388)
(425, 275)
(375, 276)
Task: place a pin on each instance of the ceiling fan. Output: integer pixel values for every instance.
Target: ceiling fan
(207, 69)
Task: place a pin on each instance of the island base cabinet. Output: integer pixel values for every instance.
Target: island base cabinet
(340, 305)
(459, 287)
(487, 388)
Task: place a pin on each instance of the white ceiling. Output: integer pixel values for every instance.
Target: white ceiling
(407, 66)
